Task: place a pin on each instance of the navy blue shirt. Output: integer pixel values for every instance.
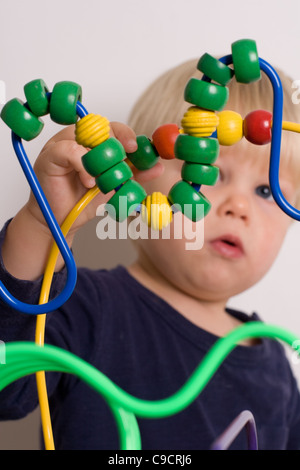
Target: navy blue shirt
(150, 350)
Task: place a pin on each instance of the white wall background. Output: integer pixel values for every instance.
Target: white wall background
(114, 49)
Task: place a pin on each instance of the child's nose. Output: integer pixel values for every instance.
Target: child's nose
(235, 205)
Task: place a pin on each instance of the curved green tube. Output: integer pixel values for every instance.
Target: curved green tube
(27, 358)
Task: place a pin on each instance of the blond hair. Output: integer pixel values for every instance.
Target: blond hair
(163, 102)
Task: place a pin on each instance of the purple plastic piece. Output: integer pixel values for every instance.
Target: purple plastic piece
(244, 419)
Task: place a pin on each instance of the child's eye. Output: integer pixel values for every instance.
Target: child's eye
(264, 191)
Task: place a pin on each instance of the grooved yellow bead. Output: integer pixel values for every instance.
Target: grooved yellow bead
(199, 122)
(156, 211)
(230, 127)
(92, 130)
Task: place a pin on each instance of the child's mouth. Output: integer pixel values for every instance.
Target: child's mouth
(228, 246)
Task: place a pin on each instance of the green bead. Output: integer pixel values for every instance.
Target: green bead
(63, 102)
(103, 156)
(199, 174)
(125, 200)
(215, 69)
(145, 156)
(245, 61)
(190, 202)
(36, 96)
(196, 149)
(20, 120)
(113, 177)
(206, 95)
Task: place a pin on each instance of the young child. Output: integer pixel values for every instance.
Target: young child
(148, 326)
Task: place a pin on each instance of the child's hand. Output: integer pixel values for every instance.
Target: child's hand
(64, 180)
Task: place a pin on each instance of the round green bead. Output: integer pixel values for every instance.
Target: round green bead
(196, 149)
(20, 120)
(63, 102)
(113, 177)
(146, 156)
(199, 174)
(215, 69)
(245, 61)
(191, 203)
(206, 95)
(103, 156)
(36, 96)
(125, 200)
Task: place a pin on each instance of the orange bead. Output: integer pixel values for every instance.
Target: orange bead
(164, 138)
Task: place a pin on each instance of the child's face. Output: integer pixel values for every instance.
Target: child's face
(243, 231)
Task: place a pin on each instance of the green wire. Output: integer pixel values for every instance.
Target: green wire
(27, 358)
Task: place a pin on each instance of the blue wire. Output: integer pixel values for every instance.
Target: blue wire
(57, 235)
(274, 165)
(276, 142)
(80, 109)
(55, 230)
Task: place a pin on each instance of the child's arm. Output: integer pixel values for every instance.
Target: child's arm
(64, 181)
(25, 249)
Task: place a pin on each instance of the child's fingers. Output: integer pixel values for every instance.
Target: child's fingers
(67, 133)
(125, 135)
(62, 154)
(121, 131)
(61, 157)
(147, 175)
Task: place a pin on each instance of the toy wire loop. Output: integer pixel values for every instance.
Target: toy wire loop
(27, 358)
(274, 165)
(105, 155)
(57, 235)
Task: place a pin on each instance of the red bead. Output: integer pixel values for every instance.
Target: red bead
(164, 138)
(257, 127)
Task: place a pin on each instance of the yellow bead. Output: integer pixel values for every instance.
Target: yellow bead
(156, 211)
(92, 130)
(230, 128)
(199, 122)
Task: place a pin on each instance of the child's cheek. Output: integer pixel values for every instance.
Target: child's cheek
(270, 241)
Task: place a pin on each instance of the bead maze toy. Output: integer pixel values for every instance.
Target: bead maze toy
(205, 126)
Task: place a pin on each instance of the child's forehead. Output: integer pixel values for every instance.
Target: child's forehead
(245, 154)
(260, 154)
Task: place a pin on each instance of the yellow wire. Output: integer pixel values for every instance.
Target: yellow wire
(290, 126)
(41, 319)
